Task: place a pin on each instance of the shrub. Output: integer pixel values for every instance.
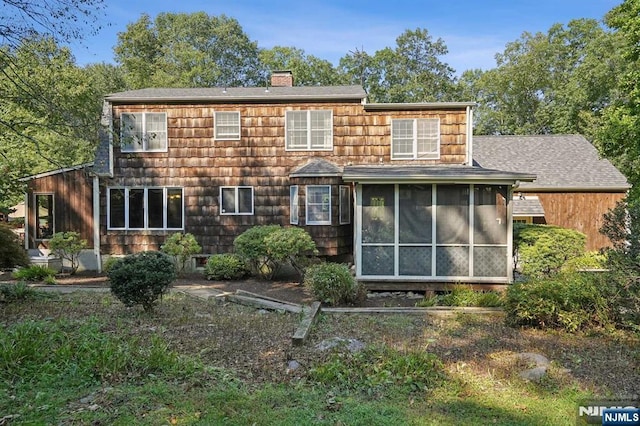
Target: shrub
(569, 301)
(181, 247)
(333, 284)
(291, 246)
(464, 295)
(266, 248)
(111, 260)
(19, 292)
(12, 251)
(35, 273)
(252, 247)
(67, 246)
(226, 266)
(142, 278)
(622, 226)
(542, 250)
(588, 260)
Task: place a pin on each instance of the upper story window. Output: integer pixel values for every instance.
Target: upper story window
(226, 125)
(144, 131)
(415, 139)
(236, 200)
(145, 208)
(310, 130)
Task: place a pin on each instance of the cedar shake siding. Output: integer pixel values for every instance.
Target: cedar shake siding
(201, 164)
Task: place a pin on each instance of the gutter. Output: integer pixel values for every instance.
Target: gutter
(417, 105)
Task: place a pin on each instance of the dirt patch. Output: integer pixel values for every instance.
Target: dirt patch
(287, 289)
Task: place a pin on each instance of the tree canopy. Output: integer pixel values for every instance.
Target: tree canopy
(44, 97)
(578, 77)
(188, 50)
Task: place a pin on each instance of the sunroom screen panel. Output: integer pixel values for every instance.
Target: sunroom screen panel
(490, 210)
(452, 214)
(378, 214)
(415, 214)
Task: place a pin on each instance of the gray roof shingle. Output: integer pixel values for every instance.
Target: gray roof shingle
(317, 168)
(432, 173)
(229, 94)
(561, 162)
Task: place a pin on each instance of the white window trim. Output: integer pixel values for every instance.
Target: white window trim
(316, 222)
(236, 192)
(348, 206)
(308, 146)
(415, 155)
(124, 147)
(294, 209)
(146, 207)
(229, 137)
(35, 206)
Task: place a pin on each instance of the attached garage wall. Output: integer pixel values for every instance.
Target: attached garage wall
(582, 211)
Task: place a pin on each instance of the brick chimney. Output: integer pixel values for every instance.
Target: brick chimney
(281, 79)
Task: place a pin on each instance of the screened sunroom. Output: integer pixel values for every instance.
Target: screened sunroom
(444, 224)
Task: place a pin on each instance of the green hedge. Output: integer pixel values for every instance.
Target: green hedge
(542, 250)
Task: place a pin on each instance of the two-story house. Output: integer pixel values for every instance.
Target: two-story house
(391, 187)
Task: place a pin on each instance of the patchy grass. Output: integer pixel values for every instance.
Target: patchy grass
(84, 358)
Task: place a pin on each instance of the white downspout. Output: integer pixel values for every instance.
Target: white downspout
(96, 221)
(469, 136)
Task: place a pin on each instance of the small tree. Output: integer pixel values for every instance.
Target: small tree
(12, 253)
(181, 247)
(68, 246)
(142, 278)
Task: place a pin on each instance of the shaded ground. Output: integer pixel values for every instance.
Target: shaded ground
(287, 289)
(257, 343)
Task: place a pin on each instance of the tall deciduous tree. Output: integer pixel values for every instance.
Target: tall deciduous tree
(619, 137)
(410, 72)
(558, 82)
(308, 70)
(39, 95)
(50, 118)
(188, 50)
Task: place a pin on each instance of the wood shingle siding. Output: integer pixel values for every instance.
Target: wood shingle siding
(200, 164)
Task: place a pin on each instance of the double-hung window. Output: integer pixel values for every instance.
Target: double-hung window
(236, 200)
(145, 208)
(318, 204)
(310, 130)
(415, 139)
(143, 131)
(226, 125)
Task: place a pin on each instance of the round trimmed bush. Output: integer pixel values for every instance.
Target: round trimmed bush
(333, 284)
(142, 278)
(226, 266)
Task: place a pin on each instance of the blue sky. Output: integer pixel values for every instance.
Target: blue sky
(474, 31)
